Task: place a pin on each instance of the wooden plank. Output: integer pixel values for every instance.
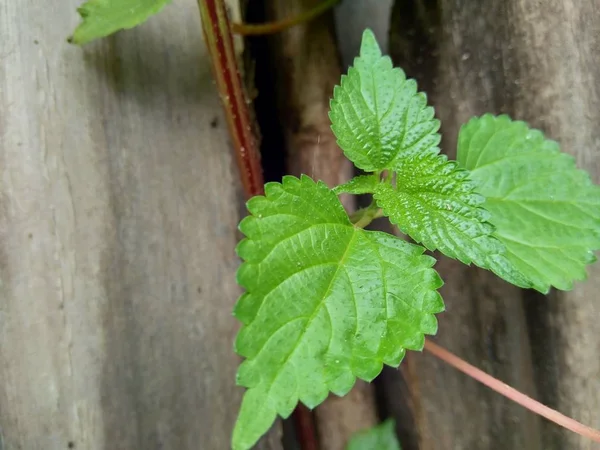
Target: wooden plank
(118, 221)
(555, 75)
(537, 61)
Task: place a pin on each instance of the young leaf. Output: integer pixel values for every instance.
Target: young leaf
(380, 437)
(545, 210)
(325, 302)
(381, 122)
(434, 203)
(377, 114)
(103, 17)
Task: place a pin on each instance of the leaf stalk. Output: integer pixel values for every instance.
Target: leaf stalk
(511, 393)
(364, 216)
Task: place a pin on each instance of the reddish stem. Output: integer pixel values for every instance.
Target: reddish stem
(305, 428)
(512, 393)
(219, 41)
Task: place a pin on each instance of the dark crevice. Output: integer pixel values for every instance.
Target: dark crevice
(414, 31)
(397, 405)
(262, 76)
(544, 342)
(261, 84)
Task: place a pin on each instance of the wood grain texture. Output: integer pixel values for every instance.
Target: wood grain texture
(306, 67)
(118, 213)
(540, 62)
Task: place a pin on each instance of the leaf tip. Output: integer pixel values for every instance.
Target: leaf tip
(255, 418)
(369, 48)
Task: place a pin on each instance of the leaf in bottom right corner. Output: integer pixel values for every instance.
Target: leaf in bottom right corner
(545, 210)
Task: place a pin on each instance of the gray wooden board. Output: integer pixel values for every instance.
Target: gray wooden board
(118, 212)
(540, 62)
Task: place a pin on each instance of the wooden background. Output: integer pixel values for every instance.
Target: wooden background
(118, 220)
(119, 203)
(538, 61)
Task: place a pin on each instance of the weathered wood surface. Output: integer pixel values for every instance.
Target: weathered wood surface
(118, 213)
(540, 62)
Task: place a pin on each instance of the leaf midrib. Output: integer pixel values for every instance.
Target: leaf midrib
(313, 315)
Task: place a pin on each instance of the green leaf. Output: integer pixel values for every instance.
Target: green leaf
(362, 184)
(434, 203)
(545, 210)
(103, 17)
(382, 123)
(325, 302)
(380, 437)
(377, 114)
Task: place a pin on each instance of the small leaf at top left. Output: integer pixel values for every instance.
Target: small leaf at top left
(101, 18)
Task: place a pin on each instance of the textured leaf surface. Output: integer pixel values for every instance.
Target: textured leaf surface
(362, 184)
(380, 437)
(434, 203)
(325, 302)
(377, 114)
(103, 17)
(545, 210)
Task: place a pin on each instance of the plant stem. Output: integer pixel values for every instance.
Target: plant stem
(512, 393)
(364, 216)
(305, 428)
(219, 41)
(216, 28)
(275, 27)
